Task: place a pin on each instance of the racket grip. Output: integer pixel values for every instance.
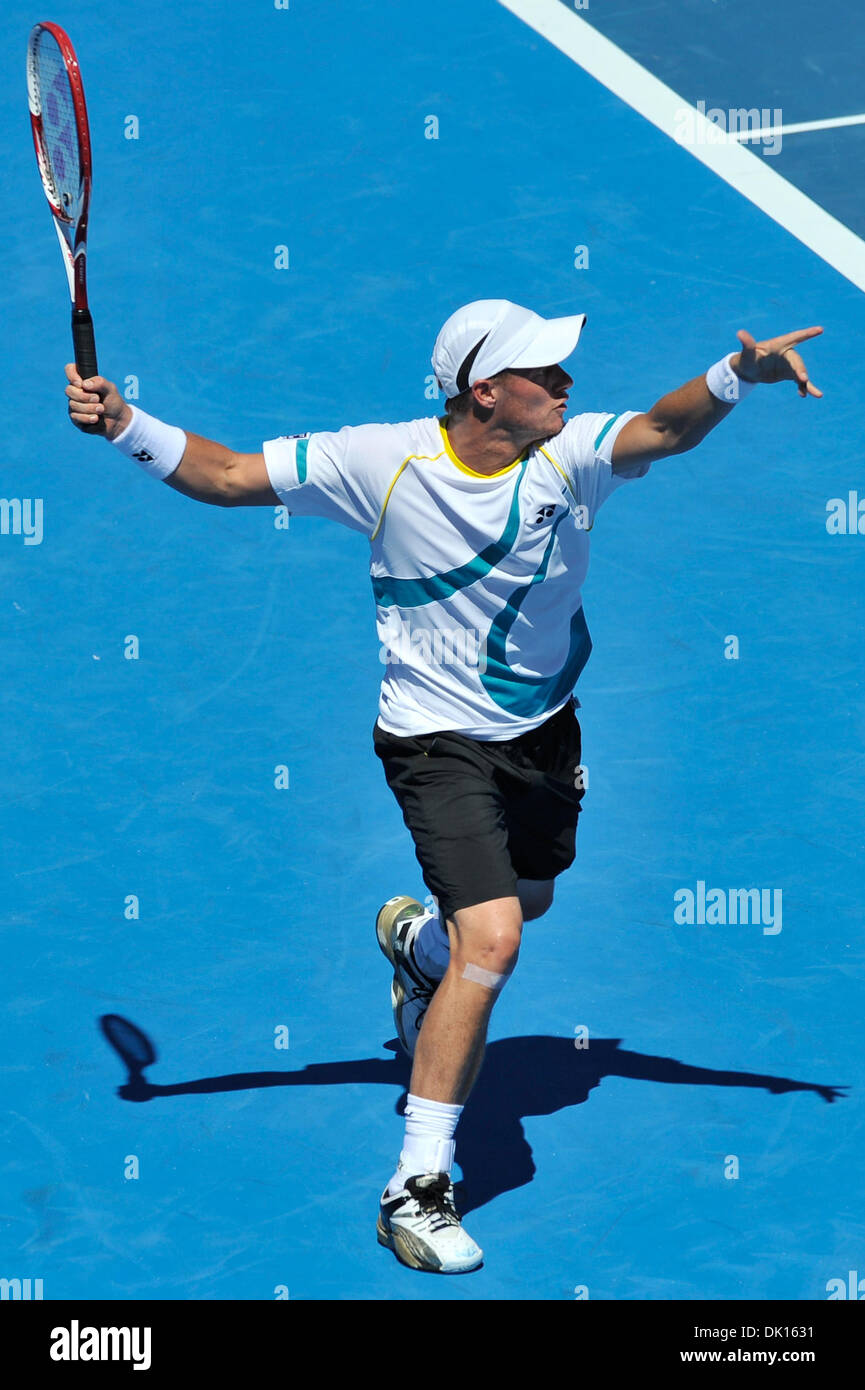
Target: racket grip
(84, 344)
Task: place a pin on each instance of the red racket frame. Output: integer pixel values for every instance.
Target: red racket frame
(76, 254)
(71, 227)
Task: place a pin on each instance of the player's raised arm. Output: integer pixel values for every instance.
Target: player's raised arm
(681, 419)
(197, 467)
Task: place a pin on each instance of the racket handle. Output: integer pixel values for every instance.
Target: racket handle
(84, 345)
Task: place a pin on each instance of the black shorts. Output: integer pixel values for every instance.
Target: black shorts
(483, 814)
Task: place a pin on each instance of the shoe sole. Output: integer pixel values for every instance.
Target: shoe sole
(385, 922)
(412, 1252)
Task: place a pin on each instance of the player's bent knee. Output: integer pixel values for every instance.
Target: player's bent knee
(487, 936)
(490, 950)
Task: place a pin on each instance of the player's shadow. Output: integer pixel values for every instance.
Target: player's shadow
(520, 1077)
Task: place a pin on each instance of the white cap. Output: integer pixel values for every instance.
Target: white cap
(506, 335)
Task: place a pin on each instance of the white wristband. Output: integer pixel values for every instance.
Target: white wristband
(723, 382)
(155, 446)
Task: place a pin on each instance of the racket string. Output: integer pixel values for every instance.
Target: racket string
(60, 135)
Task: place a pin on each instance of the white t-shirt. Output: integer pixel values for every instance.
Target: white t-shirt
(476, 578)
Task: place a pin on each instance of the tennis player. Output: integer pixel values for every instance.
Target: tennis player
(478, 526)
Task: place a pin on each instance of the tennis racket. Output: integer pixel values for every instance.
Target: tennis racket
(58, 116)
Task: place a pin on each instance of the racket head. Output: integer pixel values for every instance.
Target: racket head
(61, 136)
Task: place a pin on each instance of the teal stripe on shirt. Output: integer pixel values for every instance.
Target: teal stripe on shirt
(522, 695)
(300, 459)
(413, 593)
(606, 429)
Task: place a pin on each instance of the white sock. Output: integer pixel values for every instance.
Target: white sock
(431, 946)
(429, 1145)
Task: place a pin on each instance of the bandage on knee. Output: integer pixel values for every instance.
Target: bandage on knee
(488, 978)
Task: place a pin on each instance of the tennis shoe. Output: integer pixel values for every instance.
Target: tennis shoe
(420, 1225)
(396, 928)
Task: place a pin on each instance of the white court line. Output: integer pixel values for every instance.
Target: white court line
(750, 174)
(796, 127)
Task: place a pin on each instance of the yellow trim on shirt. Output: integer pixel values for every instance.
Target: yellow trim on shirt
(561, 470)
(464, 468)
(566, 478)
(431, 458)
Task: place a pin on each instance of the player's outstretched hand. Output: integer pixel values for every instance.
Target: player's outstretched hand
(775, 360)
(96, 400)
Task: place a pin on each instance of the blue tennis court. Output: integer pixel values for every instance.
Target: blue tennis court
(197, 835)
